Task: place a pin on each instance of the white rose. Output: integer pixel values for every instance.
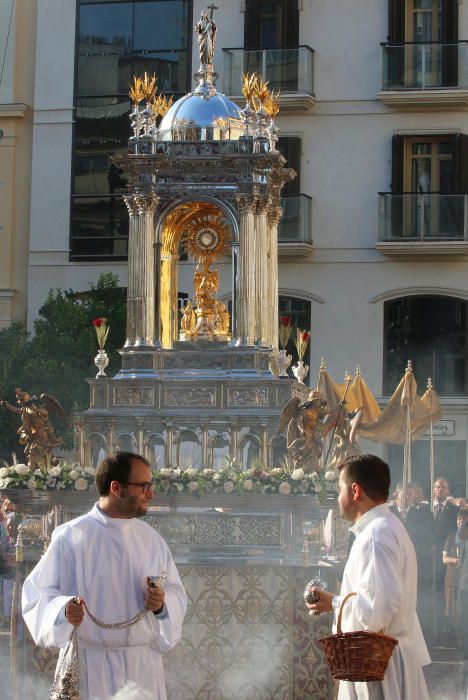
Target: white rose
(4, 471)
(317, 488)
(74, 474)
(228, 487)
(192, 473)
(21, 469)
(165, 471)
(37, 472)
(180, 487)
(248, 484)
(81, 484)
(250, 472)
(330, 476)
(192, 486)
(208, 472)
(32, 484)
(54, 471)
(277, 471)
(298, 474)
(284, 488)
(314, 476)
(217, 477)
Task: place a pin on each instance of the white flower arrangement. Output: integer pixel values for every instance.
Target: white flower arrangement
(63, 476)
(233, 479)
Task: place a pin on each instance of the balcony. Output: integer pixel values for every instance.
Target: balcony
(423, 224)
(431, 75)
(294, 229)
(288, 70)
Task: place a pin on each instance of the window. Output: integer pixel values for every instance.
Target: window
(115, 40)
(431, 172)
(271, 24)
(290, 147)
(298, 310)
(432, 332)
(423, 36)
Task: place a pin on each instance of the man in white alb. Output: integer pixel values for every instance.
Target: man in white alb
(105, 557)
(382, 570)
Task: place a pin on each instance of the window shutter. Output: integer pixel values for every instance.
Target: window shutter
(449, 35)
(461, 164)
(290, 147)
(251, 25)
(290, 28)
(396, 21)
(398, 148)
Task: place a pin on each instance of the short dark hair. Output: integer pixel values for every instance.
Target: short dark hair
(370, 472)
(115, 467)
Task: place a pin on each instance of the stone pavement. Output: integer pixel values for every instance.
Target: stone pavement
(444, 675)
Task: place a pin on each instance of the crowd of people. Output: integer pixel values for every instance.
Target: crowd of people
(442, 568)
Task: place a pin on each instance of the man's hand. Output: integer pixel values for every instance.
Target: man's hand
(324, 603)
(74, 611)
(154, 599)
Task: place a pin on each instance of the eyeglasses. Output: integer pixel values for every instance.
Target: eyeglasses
(145, 486)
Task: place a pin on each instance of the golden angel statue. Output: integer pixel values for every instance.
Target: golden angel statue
(188, 320)
(36, 432)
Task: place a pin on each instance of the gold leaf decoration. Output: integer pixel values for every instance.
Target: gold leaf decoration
(136, 92)
(271, 104)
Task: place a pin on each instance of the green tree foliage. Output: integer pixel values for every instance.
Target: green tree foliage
(59, 356)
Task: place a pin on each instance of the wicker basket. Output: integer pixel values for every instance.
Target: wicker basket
(357, 656)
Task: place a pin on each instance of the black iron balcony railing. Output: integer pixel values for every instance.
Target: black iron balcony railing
(423, 217)
(425, 66)
(295, 224)
(287, 70)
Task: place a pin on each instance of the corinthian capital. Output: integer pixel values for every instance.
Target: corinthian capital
(247, 203)
(274, 215)
(131, 204)
(147, 203)
(263, 205)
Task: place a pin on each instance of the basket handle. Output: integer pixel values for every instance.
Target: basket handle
(340, 611)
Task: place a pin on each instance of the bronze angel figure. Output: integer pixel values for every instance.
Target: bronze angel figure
(36, 432)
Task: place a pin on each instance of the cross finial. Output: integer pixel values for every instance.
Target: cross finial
(212, 8)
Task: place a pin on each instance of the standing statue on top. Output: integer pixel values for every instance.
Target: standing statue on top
(206, 30)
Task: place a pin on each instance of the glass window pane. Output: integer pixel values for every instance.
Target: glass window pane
(169, 66)
(105, 27)
(160, 25)
(110, 74)
(101, 131)
(99, 227)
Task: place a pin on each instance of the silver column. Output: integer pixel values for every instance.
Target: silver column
(274, 216)
(246, 296)
(262, 271)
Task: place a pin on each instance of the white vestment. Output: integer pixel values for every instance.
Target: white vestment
(106, 561)
(382, 570)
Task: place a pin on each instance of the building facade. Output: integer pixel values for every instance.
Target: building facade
(17, 56)
(374, 119)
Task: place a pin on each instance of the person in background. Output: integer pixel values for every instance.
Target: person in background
(451, 560)
(444, 523)
(461, 541)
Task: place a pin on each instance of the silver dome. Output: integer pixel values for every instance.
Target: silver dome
(202, 115)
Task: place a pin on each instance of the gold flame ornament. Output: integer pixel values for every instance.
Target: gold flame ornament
(136, 93)
(149, 86)
(161, 104)
(261, 93)
(271, 104)
(249, 86)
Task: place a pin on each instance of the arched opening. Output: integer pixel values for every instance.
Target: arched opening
(96, 449)
(220, 449)
(156, 451)
(189, 452)
(200, 231)
(126, 442)
(250, 450)
(432, 332)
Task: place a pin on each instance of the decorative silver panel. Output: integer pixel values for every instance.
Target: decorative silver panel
(254, 396)
(227, 530)
(189, 396)
(133, 396)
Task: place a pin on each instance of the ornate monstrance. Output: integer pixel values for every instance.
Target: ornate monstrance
(207, 238)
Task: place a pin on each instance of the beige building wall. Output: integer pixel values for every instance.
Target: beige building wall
(17, 56)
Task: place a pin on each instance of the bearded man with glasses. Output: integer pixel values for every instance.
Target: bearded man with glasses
(101, 562)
